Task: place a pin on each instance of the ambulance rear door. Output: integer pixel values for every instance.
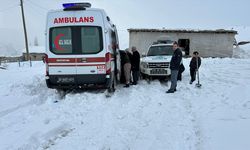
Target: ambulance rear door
(60, 48)
(91, 51)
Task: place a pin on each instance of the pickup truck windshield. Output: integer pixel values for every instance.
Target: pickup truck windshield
(160, 50)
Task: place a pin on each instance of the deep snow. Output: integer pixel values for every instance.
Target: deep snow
(215, 117)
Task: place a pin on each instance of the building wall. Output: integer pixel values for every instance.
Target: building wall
(208, 44)
(10, 59)
(35, 56)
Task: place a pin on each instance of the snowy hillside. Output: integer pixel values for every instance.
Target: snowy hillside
(242, 51)
(35, 49)
(243, 33)
(215, 117)
(9, 44)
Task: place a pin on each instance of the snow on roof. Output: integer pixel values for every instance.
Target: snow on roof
(184, 30)
(35, 49)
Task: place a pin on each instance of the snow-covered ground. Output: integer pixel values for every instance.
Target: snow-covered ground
(214, 117)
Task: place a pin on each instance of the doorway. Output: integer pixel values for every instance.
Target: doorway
(184, 45)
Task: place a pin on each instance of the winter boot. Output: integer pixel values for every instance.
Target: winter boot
(126, 86)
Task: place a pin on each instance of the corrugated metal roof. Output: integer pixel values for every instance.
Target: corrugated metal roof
(219, 31)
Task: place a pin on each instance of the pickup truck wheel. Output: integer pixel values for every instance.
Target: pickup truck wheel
(143, 76)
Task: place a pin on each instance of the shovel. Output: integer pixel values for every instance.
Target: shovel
(197, 84)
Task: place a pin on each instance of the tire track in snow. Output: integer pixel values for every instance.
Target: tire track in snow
(191, 113)
(39, 92)
(48, 139)
(11, 110)
(196, 126)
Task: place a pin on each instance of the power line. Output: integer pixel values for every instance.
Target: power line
(33, 9)
(9, 2)
(8, 8)
(37, 5)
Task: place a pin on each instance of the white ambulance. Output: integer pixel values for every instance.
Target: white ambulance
(81, 48)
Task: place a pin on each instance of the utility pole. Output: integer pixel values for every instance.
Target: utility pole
(25, 33)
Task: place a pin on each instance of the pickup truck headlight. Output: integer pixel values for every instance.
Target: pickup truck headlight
(144, 65)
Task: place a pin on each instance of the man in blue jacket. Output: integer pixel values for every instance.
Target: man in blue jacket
(174, 66)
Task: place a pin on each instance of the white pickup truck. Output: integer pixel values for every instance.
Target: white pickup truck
(156, 63)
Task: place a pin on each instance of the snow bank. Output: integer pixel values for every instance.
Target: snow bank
(242, 51)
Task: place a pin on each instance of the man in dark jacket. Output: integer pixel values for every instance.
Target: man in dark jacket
(196, 60)
(174, 66)
(135, 63)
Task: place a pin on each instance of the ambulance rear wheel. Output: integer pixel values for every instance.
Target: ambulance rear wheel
(48, 83)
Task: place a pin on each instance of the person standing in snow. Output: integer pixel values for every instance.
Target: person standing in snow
(130, 56)
(135, 62)
(127, 68)
(196, 60)
(174, 66)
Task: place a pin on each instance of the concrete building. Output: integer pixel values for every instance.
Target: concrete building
(10, 59)
(36, 53)
(209, 43)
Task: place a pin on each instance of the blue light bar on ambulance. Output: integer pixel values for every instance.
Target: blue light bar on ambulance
(67, 5)
(76, 6)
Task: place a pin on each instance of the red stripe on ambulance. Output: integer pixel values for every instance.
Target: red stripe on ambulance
(70, 65)
(76, 60)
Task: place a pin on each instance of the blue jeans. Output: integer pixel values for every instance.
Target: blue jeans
(136, 75)
(174, 74)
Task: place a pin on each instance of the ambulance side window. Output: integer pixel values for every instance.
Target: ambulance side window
(61, 40)
(91, 40)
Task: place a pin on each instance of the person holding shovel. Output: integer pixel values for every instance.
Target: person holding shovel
(194, 65)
